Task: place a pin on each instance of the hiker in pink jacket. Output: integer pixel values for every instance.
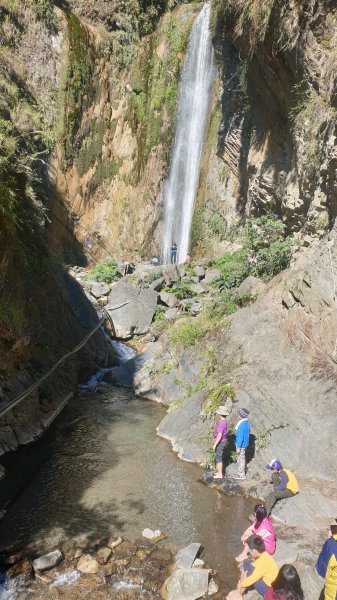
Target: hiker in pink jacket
(263, 527)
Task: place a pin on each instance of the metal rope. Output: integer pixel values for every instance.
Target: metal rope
(35, 385)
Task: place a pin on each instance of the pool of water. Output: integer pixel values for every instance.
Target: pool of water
(101, 469)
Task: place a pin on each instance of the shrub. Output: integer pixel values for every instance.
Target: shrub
(159, 314)
(228, 303)
(181, 290)
(233, 268)
(153, 275)
(189, 334)
(105, 272)
(216, 395)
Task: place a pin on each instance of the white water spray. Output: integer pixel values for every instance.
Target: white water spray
(193, 104)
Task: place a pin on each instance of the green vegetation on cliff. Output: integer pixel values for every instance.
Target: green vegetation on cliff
(77, 86)
(152, 105)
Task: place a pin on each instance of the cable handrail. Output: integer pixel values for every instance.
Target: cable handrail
(35, 385)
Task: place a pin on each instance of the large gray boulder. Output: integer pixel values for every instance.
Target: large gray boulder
(169, 299)
(136, 315)
(47, 561)
(99, 289)
(187, 584)
(211, 275)
(200, 272)
(251, 285)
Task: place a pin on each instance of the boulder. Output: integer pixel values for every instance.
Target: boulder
(99, 289)
(47, 561)
(136, 315)
(187, 584)
(169, 299)
(171, 314)
(251, 285)
(157, 284)
(200, 272)
(211, 275)
(198, 288)
(186, 556)
(171, 274)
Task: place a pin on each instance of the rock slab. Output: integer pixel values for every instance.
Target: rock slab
(185, 558)
(187, 584)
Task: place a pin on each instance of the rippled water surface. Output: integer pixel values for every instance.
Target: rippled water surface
(104, 470)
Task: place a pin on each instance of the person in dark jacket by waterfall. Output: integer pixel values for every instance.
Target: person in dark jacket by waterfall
(174, 251)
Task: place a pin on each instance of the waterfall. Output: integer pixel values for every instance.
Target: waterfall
(193, 104)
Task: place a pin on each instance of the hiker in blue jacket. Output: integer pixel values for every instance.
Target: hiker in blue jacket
(242, 441)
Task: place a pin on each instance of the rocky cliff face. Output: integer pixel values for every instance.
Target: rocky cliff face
(276, 144)
(43, 312)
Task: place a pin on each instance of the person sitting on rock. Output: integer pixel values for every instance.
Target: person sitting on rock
(284, 482)
(287, 585)
(262, 572)
(220, 439)
(261, 526)
(154, 261)
(241, 442)
(326, 565)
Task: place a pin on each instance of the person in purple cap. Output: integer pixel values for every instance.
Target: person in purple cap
(284, 482)
(241, 442)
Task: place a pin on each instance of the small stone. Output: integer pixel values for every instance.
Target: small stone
(213, 588)
(42, 578)
(115, 567)
(47, 561)
(114, 542)
(161, 554)
(23, 567)
(87, 564)
(134, 564)
(198, 563)
(73, 554)
(125, 548)
(103, 555)
(153, 536)
(141, 554)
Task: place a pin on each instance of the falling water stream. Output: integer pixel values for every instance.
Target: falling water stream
(193, 105)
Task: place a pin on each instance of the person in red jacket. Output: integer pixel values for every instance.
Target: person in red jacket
(287, 585)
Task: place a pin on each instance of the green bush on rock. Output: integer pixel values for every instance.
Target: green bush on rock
(105, 272)
(265, 252)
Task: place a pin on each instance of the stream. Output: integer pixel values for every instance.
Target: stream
(101, 468)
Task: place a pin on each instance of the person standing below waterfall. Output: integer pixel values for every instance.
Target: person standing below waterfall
(241, 442)
(174, 251)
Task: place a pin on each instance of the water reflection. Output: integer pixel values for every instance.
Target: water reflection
(104, 471)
